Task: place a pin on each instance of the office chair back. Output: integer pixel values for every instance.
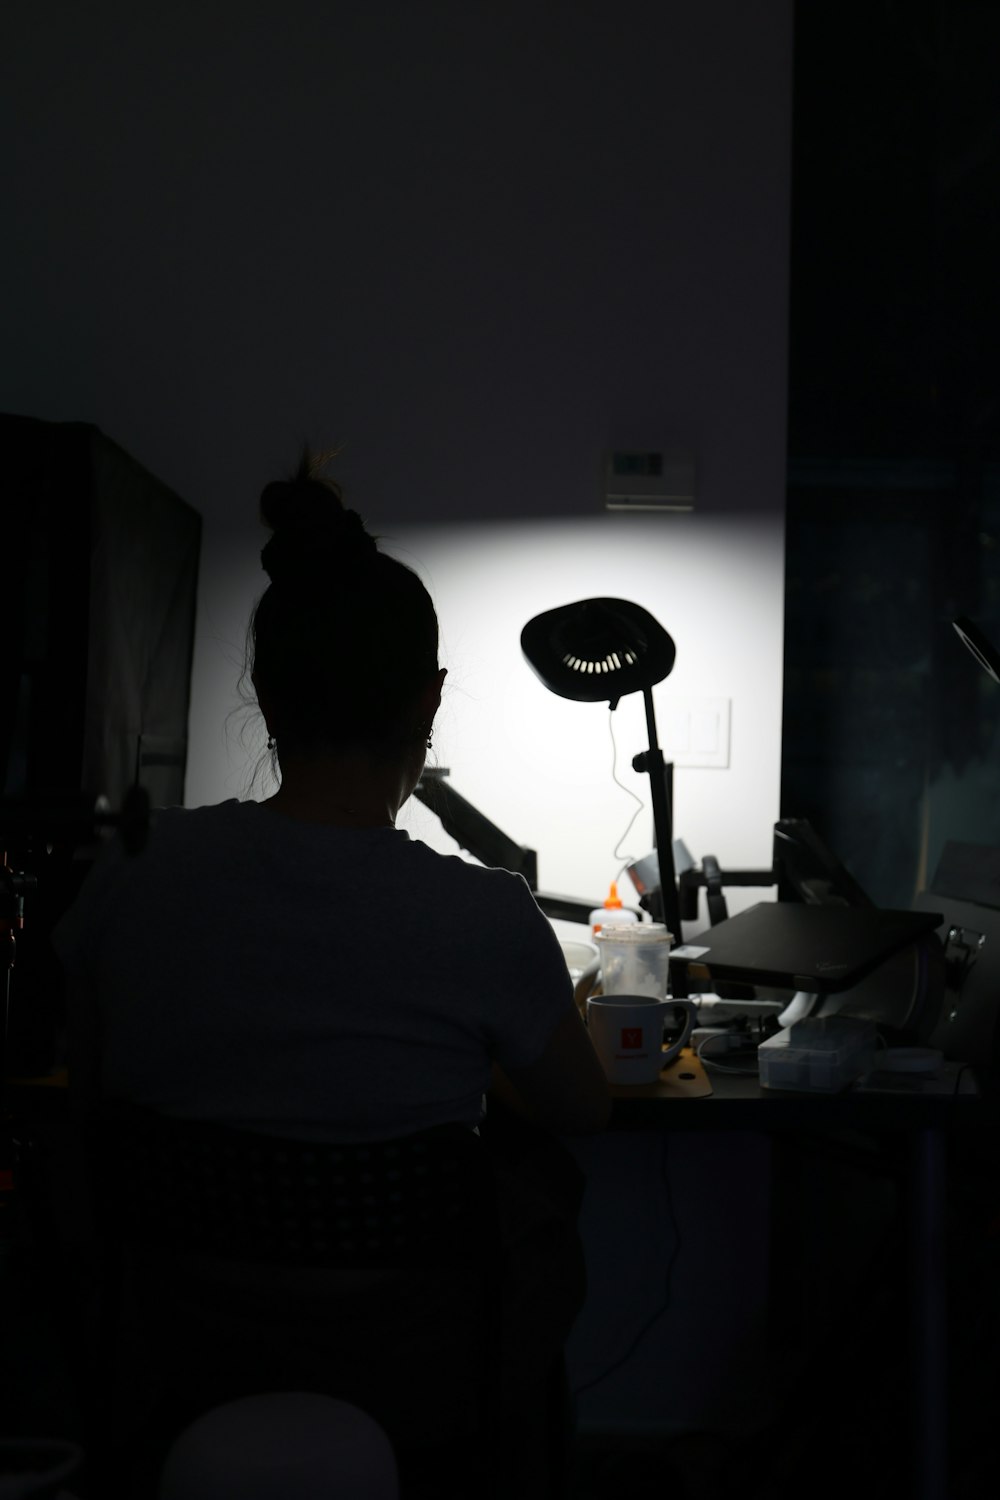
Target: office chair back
(185, 1185)
(238, 1263)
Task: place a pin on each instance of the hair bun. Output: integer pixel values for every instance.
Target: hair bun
(313, 533)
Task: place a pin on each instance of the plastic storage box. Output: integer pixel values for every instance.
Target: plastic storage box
(825, 1053)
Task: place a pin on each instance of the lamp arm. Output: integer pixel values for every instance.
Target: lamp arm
(662, 821)
(472, 830)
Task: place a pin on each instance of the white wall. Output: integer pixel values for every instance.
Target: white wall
(476, 243)
(480, 248)
(539, 766)
(480, 244)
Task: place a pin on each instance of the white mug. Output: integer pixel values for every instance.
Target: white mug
(627, 1033)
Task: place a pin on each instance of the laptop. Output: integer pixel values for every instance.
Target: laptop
(788, 945)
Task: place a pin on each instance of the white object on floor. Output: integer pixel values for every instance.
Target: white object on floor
(284, 1445)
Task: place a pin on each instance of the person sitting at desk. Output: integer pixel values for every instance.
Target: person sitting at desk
(300, 965)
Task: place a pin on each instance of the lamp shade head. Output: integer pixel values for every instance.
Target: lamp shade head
(597, 649)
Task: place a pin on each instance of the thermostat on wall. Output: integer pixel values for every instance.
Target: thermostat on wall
(648, 480)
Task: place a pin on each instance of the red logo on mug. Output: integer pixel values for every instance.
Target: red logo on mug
(631, 1037)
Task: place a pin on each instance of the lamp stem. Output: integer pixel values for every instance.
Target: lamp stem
(663, 823)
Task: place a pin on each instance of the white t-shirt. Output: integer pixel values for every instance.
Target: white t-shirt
(240, 976)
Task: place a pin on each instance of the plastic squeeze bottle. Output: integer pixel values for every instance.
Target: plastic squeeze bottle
(612, 913)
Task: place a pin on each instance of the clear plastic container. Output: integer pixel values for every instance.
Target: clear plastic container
(821, 1053)
(635, 960)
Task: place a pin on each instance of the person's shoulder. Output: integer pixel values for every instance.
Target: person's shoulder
(179, 820)
(468, 883)
(173, 829)
(461, 871)
(208, 812)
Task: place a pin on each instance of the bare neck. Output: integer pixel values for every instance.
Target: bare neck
(344, 791)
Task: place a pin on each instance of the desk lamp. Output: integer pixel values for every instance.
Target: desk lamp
(601, 649)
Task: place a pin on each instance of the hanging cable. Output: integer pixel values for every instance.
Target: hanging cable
(629, 858)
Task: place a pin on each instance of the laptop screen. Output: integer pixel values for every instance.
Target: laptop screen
(819, 949)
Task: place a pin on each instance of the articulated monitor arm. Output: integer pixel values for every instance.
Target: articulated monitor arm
(471, 829)
(474, 832)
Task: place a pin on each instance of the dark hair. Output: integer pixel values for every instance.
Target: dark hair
(345, 637)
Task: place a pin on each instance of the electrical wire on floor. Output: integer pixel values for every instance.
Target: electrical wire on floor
(654, 1317)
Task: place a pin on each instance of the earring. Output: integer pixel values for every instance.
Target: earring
(430, 736)
(272, 743)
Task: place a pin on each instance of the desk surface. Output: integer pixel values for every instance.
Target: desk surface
(737, 1102)
(713, 1100)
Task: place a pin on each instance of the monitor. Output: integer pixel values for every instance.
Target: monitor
(806, 869)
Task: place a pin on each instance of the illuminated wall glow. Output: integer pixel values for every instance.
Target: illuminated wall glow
(538, 765)
(225, 741)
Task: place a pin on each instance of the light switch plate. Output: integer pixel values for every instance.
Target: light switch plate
(695, 732)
